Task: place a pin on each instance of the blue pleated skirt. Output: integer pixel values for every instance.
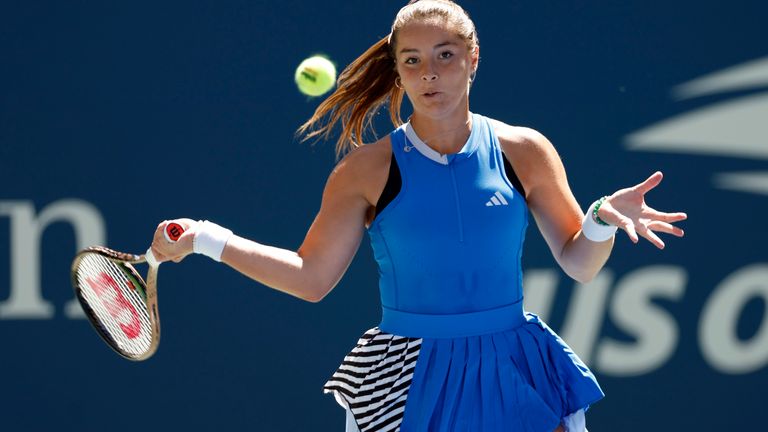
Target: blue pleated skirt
(499, 370)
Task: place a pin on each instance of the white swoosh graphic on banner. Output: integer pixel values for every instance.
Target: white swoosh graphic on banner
(734, 128)
(740, 77)
(755, 182)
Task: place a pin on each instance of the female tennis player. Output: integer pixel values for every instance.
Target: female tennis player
(445, 199)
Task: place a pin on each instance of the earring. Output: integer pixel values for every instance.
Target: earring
(472, 76)
(398, 83)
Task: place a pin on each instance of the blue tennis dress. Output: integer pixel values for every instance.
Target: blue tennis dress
(454, 350)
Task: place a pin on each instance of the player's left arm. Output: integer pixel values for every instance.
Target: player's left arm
(550, 200)
(559, 216)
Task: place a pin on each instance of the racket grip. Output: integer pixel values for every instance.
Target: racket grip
(172, 232)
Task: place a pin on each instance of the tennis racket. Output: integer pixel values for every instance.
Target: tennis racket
(118, 303)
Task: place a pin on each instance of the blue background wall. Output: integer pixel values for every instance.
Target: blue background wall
(191, 107)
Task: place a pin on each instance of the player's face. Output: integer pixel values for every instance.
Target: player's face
(434, 65)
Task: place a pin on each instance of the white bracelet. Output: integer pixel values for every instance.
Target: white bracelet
(594, 231)
(210, 239)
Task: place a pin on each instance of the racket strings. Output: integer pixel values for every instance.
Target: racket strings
(117, 305)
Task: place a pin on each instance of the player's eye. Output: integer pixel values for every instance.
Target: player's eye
(446, 54)
(410, 60)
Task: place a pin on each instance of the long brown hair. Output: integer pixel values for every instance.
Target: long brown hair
(370, 80)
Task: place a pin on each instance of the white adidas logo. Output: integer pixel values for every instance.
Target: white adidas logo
(496, 200)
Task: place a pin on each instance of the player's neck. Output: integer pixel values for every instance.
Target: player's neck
(446, 135)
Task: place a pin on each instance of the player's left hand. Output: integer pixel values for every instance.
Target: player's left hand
(627, 209)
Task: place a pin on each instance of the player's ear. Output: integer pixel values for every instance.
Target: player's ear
(474, 60)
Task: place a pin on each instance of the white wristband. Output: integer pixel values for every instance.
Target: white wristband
(210, 239)
(149, 257)
(593, 230)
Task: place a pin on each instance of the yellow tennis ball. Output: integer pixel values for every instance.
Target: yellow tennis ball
(315, 76)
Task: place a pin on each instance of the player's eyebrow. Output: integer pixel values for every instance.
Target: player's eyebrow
(440, 45)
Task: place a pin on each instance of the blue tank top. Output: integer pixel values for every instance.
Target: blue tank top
(451, 241)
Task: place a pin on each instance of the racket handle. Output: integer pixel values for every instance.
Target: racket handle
(172, 232)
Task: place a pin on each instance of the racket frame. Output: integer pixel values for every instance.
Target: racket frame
(125, 261)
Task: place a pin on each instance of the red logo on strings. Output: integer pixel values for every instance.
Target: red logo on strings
(117, 305)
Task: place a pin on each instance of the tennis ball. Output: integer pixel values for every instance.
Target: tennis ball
(315, 76)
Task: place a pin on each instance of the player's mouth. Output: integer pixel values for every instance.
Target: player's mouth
(431, 94)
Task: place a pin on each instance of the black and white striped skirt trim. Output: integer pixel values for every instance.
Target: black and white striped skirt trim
(373, 380)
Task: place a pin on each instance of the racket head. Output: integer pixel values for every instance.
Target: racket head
(120, 305)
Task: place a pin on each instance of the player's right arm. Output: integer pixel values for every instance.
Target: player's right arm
(328, 248)
(330, 244)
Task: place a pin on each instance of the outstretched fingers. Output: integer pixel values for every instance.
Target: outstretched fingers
(627, 210)
(651, 236)
(665, 217)
(613, 216)
(665, 228)
(649, 183)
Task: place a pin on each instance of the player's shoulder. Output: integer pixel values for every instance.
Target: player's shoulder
(365, 158)
(519, 135)
(523, 143)
(364, 169)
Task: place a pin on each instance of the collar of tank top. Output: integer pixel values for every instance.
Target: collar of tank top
(423, 148)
